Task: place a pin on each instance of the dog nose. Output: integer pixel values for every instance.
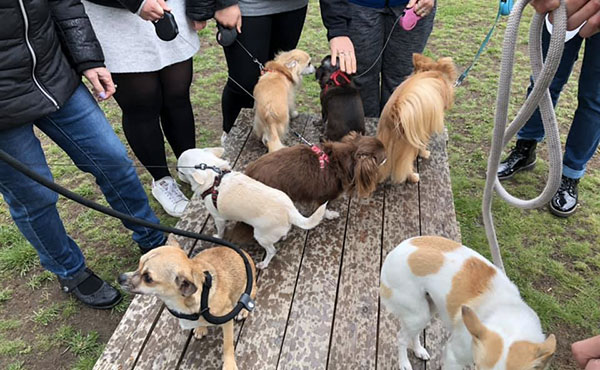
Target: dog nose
(122, 279)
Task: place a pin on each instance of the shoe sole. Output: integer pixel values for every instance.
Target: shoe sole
(107, 307)
(525, 168)
(562, 214)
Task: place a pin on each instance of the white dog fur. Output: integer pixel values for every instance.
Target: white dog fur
(490, 323)
(269, 211)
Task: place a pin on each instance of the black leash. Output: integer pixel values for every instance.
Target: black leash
(245, 301)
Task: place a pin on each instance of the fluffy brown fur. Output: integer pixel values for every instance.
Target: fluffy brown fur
(353, 167)
(413, 113)
(274, 96)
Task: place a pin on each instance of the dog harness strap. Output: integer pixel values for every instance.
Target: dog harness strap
(323, 157)
(333, 79)
(213, 191)
(185, 316)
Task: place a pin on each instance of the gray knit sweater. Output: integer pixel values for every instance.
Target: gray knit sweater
(265, 7)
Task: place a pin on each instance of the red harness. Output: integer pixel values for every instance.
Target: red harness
(323, 157)
(334, 78)
(213, 191)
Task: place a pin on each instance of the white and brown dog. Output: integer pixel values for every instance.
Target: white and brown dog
(274, 96)
(231, 195)
(490, 323)
(168, 273)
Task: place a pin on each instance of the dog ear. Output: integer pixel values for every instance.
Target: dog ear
(447, 67)
(366, 172)
(351, 137)
(291, 64)
(547, 348)
(186, 287)
(199, 177)
(217, 151)
(473, 324)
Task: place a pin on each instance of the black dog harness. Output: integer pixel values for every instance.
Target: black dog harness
(213, 191)
(245, 301)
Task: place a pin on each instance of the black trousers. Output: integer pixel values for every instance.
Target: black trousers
(263, 36)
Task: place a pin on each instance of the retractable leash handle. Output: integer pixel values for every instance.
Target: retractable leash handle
(409, 19)
(245, 301)
(543, 73)
(225, 36)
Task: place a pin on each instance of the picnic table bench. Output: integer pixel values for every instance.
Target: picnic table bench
(318, 301)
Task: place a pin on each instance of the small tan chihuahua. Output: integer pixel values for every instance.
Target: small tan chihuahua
(177, 280)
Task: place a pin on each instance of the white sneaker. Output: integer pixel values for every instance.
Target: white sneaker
(167, 192)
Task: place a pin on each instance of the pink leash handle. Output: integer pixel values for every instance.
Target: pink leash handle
(409, 20)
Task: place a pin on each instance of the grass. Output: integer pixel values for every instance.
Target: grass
(554, 262)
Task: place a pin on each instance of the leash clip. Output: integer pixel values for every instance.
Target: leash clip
(247, 302)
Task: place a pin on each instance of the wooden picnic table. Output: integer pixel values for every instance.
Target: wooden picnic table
(317, 304)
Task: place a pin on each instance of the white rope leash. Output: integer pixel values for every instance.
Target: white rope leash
(543, 73)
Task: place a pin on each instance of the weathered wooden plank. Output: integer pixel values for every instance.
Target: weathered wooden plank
(437, 218)
(124, 346)
(401, 221)
(207, 352)
(306, 341)
(354, 338)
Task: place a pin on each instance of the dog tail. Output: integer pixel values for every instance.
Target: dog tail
(420, 113)
(307, 223)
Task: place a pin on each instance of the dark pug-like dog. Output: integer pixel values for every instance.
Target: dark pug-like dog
(340, 102)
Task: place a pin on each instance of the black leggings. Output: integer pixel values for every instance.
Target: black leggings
(152, 100)
(263, 36)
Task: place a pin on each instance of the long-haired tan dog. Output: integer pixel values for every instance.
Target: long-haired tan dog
(490, 324)
(177, 280)
(413, 113)
(274, 96)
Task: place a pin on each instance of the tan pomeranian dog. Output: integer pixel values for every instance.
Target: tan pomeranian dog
(274, 96)
(413, 113)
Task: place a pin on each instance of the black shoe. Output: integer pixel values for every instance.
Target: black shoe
(91, 290)
(522, 157)
(564, 202)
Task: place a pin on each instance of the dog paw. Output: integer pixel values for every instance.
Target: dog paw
(200, 332)
(262, 265)
(413, 177)
(331, 215)
(424, 154)
(242, 315)
(294, 114)
(421, 353)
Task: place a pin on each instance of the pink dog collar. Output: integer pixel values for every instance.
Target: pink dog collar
(409, 19)
(323, 157)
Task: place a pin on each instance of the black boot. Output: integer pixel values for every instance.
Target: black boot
(88, 288)
(522, 157)
(564, 202)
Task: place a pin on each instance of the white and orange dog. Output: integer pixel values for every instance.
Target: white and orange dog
(274, 96)
(414, 112)
(490, 323)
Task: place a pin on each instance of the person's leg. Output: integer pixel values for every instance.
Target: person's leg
(139, 96)
(33, 208)
(584, 134)
(177, 117)
(397, 62)
(286, 30)
(255, 34)
(82, 131)
(367, 32)
(534, 128)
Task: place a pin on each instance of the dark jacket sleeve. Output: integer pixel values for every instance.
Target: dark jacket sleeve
(76, 34)
(335, 17)
(132, 5)
(202, 10)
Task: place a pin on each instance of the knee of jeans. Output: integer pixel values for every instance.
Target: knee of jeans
(32, 202)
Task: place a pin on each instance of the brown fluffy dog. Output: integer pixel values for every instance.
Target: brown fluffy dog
(177, 280)
(353, 167)
(274, 96)
(413, 113)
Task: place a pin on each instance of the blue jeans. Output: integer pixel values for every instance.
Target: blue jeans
(82, 131)
(584, 134)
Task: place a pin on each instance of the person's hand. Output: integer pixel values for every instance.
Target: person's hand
(154, 10)
(343, 48)
(579, 11)
(198, 25)
(586, 351)
(230, 17)
(422, 7)
(545, 6)
(102, 83)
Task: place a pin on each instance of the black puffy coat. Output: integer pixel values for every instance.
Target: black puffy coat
(44, 47)
(198, 10)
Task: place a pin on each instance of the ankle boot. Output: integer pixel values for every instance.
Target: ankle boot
(522, 157)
